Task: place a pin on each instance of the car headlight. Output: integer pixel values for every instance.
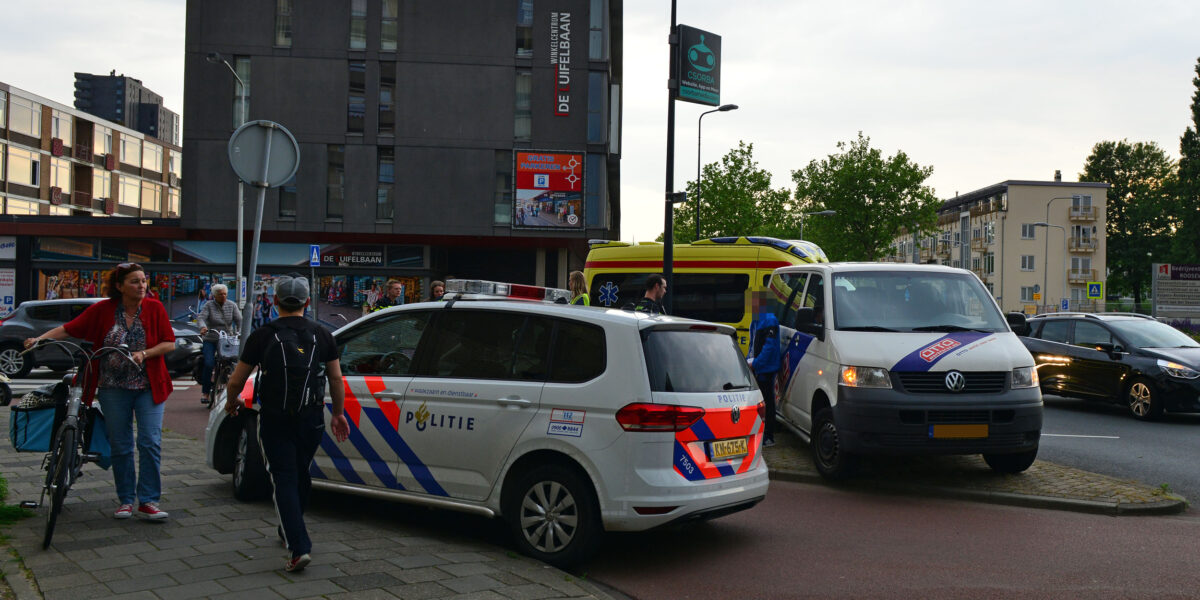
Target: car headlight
(864, 377)
(1175, 369)
(1024, 377)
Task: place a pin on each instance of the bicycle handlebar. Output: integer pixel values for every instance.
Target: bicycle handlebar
(72, 348)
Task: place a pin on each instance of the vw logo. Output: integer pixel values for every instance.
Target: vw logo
(955, 381)
(735, 415)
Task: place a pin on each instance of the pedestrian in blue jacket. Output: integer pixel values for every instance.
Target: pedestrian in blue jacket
(766, 362)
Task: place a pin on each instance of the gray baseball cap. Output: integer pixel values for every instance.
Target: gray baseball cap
(291, 291)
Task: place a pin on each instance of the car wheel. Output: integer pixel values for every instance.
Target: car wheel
(250, 478)
(831, 460)
(12, 363)
(554, 515)
(1010, 463)
(1142, 399)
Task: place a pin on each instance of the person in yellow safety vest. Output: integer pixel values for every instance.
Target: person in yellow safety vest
(393, 297)
(579, 290)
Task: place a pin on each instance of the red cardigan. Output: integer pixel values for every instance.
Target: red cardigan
(95, 323)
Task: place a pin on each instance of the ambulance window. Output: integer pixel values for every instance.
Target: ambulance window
(580, 353)
(474, 344)
(718, 297)
(383, 346)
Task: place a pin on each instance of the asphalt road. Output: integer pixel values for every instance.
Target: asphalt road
(1103, 438)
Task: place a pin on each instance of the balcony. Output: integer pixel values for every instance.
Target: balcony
(1081, 244)
(1082, 213)
(1081, 275)
(984, 208)
(979, 244)
(944, 250)
(83, 199)
(926, 254)
(947, 219)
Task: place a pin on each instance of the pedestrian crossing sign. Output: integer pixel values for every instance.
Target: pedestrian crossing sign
(314, 255)
(1095, 290)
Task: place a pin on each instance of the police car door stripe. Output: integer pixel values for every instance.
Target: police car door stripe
(340, 462)
(407, 456)
(378, 466)
(795, 351)
(936, 351)
(315, 471)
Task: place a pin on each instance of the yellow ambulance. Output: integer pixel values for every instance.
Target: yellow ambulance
(723, 280)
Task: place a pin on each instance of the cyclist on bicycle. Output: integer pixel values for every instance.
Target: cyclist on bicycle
(218, 316)
(128, 317)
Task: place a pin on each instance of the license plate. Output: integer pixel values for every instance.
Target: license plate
(723, 449)
(958, 431)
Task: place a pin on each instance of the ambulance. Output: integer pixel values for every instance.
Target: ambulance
(883, 358)
(505, 401)
(722, 280)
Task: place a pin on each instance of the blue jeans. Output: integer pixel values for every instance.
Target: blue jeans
(209, 350)
(120, 408)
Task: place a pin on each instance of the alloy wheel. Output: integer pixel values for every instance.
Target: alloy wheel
(549, 516)
(1140, 398)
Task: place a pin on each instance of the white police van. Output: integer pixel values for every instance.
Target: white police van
(563, 420)
(882, 358)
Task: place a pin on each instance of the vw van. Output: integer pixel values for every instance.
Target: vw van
(718, 280)
(884, 358)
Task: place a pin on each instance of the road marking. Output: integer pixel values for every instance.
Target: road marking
(1102, 437)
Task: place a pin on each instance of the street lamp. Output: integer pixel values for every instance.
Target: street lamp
(699, 123)
(819, 213)
(215, 57)
(1047, 244)
(1046, 260)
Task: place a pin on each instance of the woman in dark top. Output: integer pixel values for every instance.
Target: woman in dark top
(128, 389)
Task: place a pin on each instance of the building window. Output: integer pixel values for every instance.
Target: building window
(3, 109)
(597, 92)
(358, 24)
(60, 174)
(24, 167)
(387, 97)
(357, 103)
(20, 207)
(989, 232)
(241, 93)
(1081, 234)
(101, 183)
(335, 191)
(989, 263)
(385, 194)
(1084, 202)
(957, 263)
(172, 202)
(3, 153)
(1028, 231)
(1027, 262)
(389, 29)
(130, 192)
(101, 140)
(131, 150)
(287, 199)
(25, 116)
(504, 187)
(60, 127)
(524, 28)
(523, 123)
(597, 49)
(593, 180)
(1026, 293)
(176, 163)
(152, 157)
(283, 23)
(1082, 265)
(151, 197)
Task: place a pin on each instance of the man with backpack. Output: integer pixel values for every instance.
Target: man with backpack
(295, 357)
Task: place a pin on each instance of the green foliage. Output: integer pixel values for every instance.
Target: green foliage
(736, 199)
(1140, 209)
(876, 199)
(1186, 241)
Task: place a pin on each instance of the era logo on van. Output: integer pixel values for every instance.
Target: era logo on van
(931, 352)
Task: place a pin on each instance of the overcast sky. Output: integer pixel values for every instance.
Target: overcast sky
(983, 92)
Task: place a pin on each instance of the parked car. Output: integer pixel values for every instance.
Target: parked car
(565, 421)
(35, 317)
(1125, 358)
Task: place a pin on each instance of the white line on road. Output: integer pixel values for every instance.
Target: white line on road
(1102, 437)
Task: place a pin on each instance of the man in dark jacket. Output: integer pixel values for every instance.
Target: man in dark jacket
(651, 302)
(766, 363)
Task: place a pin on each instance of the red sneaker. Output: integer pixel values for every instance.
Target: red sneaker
(149, 510)
(124, 511)
(297, 563)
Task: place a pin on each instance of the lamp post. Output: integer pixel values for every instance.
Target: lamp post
(819, 213)
(242, 295)
(1046, 261)
(699, 124)
(1047, 221)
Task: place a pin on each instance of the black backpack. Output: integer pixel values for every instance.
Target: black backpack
(291, 377)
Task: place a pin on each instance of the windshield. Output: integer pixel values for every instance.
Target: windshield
(1144, 333)
(913, 301)
(694, 361)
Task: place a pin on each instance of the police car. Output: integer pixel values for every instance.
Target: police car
(565, 421)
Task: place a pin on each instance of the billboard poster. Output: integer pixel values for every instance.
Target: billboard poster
(1176, 290)
(8, 291)
(699, 66)
(549, 190)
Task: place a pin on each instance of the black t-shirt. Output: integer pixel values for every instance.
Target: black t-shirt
(257, 343)
(653, 307)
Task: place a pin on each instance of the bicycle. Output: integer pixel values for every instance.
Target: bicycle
(72, 435)
(224, 362)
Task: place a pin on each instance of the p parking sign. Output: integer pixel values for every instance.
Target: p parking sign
(1095, 290)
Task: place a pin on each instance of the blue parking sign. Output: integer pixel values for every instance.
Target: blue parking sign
(1095, 290)
(1064, 304)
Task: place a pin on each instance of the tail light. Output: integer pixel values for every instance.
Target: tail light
(658, 417)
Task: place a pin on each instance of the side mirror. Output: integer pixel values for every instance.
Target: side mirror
(1018, 322)
(805, 322)
(1105, 347)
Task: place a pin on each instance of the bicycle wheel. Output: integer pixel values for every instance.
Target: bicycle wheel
(62, 463)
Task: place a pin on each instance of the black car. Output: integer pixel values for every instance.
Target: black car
(36, 317)
(1126, 358)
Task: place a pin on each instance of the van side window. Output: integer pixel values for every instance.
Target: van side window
(786, 291)
(814, 298)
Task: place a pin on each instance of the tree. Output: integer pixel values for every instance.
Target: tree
(736, 199)
(1139, 209)
(876, 199)
(1187, 237)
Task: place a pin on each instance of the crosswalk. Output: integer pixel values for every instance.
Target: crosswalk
(22, 386)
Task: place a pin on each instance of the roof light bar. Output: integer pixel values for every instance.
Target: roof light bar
(515, 291)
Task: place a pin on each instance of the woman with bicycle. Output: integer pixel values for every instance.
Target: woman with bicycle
(128, 389)
(218, 316)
